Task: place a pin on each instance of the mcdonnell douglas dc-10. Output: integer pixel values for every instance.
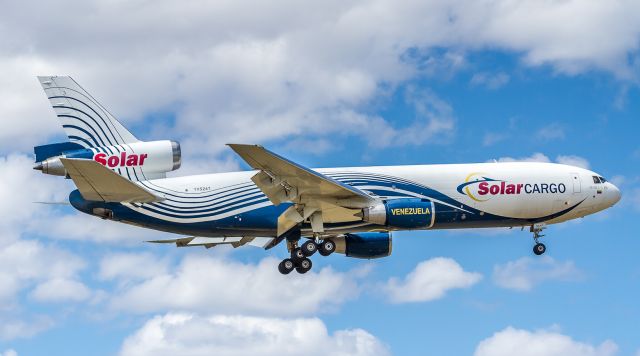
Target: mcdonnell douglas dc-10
(352, 210)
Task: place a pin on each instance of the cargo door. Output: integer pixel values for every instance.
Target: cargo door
(577, 185)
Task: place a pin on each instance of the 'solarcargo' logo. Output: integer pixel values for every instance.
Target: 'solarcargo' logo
(122, 160)
(481, 188)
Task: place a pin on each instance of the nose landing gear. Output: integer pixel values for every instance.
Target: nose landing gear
(539, 248)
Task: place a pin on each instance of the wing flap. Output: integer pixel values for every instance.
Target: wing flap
(97, 182)
(209, 242)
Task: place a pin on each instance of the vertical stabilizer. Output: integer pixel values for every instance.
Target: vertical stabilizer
(83, 119)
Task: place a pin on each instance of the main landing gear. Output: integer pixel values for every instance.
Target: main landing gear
(539, 248)
(299, 259)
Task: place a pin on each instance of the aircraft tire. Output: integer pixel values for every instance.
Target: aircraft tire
(286, 266)
(304, 266)
(539, 249)
(297, 255)
(327, 247)
(309, 248)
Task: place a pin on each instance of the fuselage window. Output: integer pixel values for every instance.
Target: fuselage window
(596, 180)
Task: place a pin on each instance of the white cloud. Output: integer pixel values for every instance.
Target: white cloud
(512, 341)
(536, 157)
(233, 76)
(25, 106)
(20, 187)
(188, 334)
(127, 266)
(26, 262)
(61, 290)
(236, 287)
(23, 327)
(94, 229)
(573, 160)
(45, 272)
(9, 352)
(527, 272)
(551, 132)
(430, 280)
(491, 81)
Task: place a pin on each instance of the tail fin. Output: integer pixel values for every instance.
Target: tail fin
(84, 120)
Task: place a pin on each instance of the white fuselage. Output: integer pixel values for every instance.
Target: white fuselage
(465, 195)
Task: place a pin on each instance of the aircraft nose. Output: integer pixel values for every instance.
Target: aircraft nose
(614, 194)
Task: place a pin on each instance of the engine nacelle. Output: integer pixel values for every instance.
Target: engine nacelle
(364, 244)
(405, 213)
(153, 158)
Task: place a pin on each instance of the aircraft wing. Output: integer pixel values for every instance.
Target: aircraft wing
(279, 175)
(99, 183)
(312, 193)
(209, 242)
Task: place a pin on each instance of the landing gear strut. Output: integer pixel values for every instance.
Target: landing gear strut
(539, 248)
(299, 259)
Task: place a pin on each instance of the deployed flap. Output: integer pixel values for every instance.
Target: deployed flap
(282, 180)
(99, 183)
(209, 242)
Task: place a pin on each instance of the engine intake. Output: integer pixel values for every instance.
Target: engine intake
(409, 213)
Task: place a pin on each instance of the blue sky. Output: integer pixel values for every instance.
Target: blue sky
(337, 84)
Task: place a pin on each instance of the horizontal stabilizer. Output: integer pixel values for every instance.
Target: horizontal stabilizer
(52, 202)
(98, 183)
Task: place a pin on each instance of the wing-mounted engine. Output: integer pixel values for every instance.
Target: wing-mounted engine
(367, 245)
(137, 161)
(404, 213)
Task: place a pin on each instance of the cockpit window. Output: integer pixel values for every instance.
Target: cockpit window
(596, 179)
(602, 179)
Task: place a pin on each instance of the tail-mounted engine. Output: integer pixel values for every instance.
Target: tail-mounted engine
(409, 213)
(152, 159)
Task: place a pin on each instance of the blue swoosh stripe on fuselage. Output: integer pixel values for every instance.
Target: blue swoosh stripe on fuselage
(211, 208)
(213, 214)
(190, 209)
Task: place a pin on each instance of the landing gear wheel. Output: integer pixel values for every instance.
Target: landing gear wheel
(297, 255)
(309, 248)
(539, 248)
(286, 266)
(327, 247)
(304, 266)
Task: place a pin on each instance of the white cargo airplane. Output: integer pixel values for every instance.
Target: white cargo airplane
(351, 210)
